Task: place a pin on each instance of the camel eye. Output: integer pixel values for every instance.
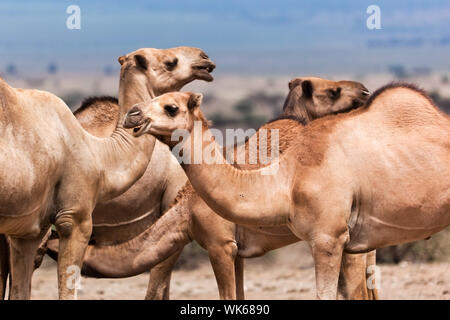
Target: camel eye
(334, 93)
(170, 65)
(171, 110)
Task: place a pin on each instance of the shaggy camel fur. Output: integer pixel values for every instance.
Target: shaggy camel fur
(307, 97)
(374, 177)
(157, 71)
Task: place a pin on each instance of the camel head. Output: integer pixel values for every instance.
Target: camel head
(311, 98)
(168, 69)
(164, 114)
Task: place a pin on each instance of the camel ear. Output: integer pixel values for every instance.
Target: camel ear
(294, 82)
(195, 100)
(307, 88)
(141, 61)
(121, 59)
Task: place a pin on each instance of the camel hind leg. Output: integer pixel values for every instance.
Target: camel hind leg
(4, 265)
(223, 263)
(352, 278)
(371, 262)
(22, 263)
(239, 274)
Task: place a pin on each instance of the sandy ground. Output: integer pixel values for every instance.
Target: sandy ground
(283, 275)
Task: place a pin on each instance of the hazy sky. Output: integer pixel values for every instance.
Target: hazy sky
(253, 36)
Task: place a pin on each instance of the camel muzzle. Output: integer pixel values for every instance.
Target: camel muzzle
(203, 70)
(133, 118)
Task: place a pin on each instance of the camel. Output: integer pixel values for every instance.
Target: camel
(128, 215)
(99, 170)
(306, 97)
(344, 184)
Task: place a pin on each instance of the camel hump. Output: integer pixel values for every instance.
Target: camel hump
(295, 118)
(398, 85)
(90, 102)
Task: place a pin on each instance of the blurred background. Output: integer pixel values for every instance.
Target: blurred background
(258, 45)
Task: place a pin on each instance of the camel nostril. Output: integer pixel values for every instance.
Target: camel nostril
(135, 111)
(365, 92)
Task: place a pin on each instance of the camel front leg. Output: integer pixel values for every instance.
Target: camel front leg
(22, 257)
(74, 229)
(4, 265)
(239, 274)
(327, 253)
(222, 259)
(160, 275)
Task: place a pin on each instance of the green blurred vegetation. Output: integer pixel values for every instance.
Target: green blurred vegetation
(251, 111)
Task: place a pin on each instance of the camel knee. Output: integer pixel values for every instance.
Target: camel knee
(69, 220)
(330, 245)
(229, 248)
(232, 248)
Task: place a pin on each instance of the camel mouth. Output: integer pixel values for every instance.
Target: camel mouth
(203, 70)
(142, 128)
(356, 104)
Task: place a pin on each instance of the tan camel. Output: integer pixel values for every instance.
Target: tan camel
(73, 216)
(219, 236)
(126, 216)
(344, 183)
(129, 214)
(54, 172)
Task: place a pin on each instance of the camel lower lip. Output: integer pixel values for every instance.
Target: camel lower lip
(140, 130)
(204, 75)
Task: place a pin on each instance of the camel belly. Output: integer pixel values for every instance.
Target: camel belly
(26, 188)
(396, 225)
(23, 210)
(403, 193)
(254, 242)
(116, 232)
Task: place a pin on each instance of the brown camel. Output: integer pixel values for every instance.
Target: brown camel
(72, 217)
(374, 177)
(129, 214)
(306, 97)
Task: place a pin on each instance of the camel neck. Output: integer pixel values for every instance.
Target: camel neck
(249, 197)
(167, 235)
(123, 156)
(133, 88)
